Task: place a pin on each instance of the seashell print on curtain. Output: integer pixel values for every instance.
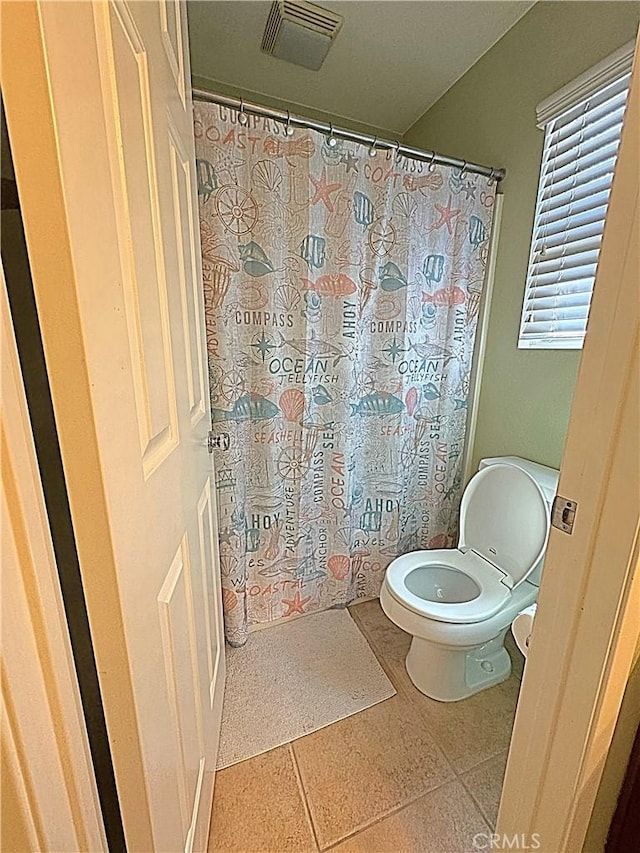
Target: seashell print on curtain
(341, 299)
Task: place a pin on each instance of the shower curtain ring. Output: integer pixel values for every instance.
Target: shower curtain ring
(331, 140)
(373, 150)
(394, 152)
(288, 130)
(242, 116)
(432, 165)
(463, 171)
(490, 179)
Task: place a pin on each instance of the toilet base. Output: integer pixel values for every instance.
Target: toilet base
(450, 674)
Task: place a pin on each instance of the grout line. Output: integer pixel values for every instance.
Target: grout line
(405, 690)
(489, 823)
(399, 692)
(382, 817)
(303, 794)
(473, 767)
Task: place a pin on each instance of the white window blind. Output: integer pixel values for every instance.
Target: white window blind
(580, 150)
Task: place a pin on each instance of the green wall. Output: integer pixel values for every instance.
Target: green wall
(219, 88)
(488, 116)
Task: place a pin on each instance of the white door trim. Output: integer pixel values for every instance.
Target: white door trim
(588, 622)
(51, 799)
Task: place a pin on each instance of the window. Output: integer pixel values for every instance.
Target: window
(582, 125)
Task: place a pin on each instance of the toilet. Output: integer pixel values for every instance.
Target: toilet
(459, 603)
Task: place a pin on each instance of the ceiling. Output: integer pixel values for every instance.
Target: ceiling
(390, 61)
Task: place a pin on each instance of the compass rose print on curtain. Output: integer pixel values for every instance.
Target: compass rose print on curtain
(341, 297)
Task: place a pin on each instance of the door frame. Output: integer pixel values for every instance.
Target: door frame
(586, 631)
(51, 799)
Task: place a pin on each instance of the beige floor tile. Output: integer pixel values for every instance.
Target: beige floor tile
(444, 821)
(484, 783)
(470, 731)
(258, 807)
(389, 642)
(474, 729)
(363, 767)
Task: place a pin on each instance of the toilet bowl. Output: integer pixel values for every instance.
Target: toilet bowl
(459, 603)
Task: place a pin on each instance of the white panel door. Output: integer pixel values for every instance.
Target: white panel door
(123, 328)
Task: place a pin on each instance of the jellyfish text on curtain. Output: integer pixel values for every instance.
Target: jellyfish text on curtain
(341, 299)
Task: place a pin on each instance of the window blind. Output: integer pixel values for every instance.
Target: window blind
(579, 155)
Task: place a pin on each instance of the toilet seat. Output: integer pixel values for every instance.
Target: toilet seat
(492, 596)
(504, 527)
(504, 517)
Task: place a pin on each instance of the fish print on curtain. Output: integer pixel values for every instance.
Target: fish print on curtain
(341, 300)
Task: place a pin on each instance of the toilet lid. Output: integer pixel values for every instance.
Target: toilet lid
(504, 517)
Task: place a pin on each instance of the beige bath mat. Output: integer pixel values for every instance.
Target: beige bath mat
(292, 679)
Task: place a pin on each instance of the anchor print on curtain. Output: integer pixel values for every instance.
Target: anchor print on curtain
(341, 299)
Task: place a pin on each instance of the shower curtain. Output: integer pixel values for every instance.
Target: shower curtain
(341, 299)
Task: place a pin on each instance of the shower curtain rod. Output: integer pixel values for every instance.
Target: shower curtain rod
(287, 118)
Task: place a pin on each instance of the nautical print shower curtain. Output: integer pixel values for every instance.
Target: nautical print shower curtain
(341, 299)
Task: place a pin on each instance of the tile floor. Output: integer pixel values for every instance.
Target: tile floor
(409, 775)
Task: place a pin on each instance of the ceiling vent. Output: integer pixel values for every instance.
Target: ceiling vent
(300, 32)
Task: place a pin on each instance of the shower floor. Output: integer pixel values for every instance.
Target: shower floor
(409, 774)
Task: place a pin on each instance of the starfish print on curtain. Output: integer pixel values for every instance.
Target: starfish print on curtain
(323, 190)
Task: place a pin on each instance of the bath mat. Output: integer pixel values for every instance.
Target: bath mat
(292, 679)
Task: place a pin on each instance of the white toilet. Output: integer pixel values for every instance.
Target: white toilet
(458, 604)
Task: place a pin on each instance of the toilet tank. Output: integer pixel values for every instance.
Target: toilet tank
(546, 478)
